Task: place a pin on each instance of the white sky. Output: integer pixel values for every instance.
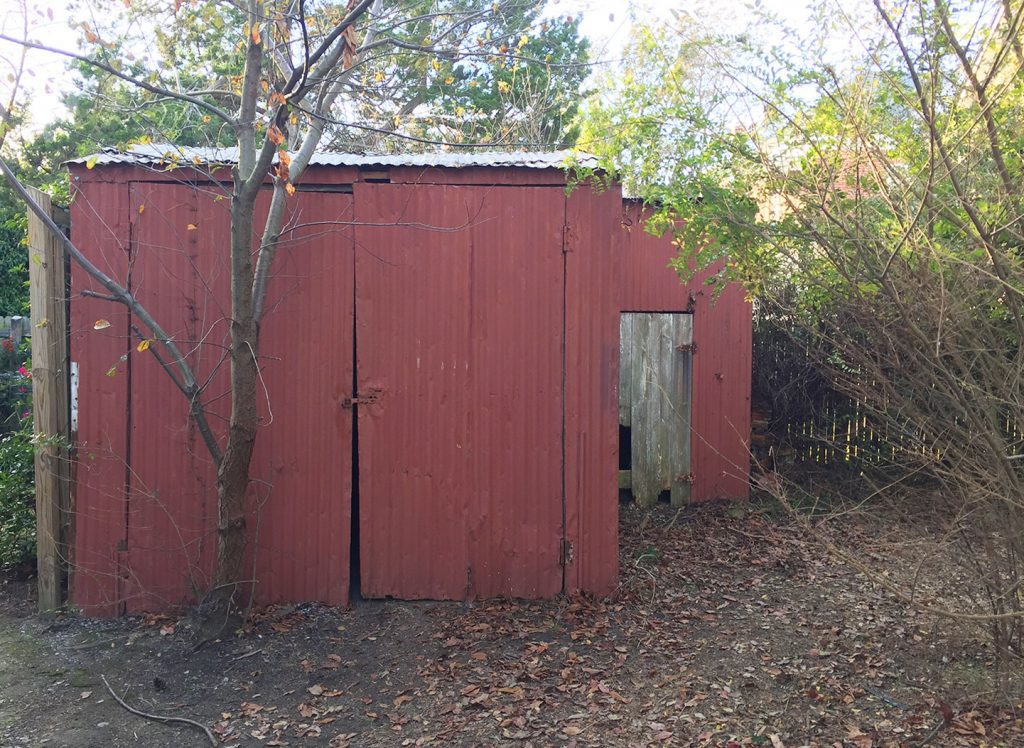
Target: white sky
(605, 22)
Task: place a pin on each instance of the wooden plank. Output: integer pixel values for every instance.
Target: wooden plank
(49, 399)
(680, 396)
(626, 349)
(658, 384)
(664, 370)
(18, 330)
(644, 415)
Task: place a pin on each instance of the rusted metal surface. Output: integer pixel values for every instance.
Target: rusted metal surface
(459, 319)
(721, 369)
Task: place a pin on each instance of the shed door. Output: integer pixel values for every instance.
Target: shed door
(655, 352)
(301, 469)
(459, 339)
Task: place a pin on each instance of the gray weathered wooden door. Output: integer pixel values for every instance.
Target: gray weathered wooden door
(655, 352)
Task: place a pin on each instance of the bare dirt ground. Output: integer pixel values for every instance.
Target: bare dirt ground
(726, 631)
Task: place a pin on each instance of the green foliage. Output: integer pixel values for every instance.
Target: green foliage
(762, 154)
(513, 80)
(461, 71)
(871, 202)
(17, 502)
(13, 268)
(15, 383)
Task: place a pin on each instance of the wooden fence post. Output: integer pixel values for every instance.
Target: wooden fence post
(46, 265)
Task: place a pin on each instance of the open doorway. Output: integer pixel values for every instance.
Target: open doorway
(655, 374)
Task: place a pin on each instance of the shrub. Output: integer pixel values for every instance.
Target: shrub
(15, 384)
(17, 502)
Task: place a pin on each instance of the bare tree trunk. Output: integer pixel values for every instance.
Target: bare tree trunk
(233, 472)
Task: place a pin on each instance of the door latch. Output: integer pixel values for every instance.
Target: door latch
(369, 398)
(565, 552)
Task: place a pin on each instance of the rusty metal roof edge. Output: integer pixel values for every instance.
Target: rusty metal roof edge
(167, 154)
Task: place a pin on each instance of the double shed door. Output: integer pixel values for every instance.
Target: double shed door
(448, 302)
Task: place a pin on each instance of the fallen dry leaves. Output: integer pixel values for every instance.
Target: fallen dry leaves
(726, 631)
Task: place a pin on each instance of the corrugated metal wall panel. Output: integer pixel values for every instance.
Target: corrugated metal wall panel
(178, 276)
(593, 261)
(459, 310)
(302, 466)
(99, 216)
(722, 456)
(721, 364)
(303, 457)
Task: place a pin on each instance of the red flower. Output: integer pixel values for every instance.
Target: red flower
(8, 345)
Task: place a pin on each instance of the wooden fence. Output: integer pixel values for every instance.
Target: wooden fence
(801, 419)
(15, 328)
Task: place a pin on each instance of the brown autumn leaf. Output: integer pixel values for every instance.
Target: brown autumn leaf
(332, 662)
(249, 709)
(316, 690)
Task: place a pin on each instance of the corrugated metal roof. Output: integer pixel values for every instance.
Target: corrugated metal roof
(163, 153)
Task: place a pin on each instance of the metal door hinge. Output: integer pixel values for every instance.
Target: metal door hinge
(565, 552)
(369, 398)
(687, 348)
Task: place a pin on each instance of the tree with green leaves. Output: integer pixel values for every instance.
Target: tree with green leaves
(864, 180)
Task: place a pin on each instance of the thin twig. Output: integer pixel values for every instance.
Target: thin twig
(247, 654)
(934, 731)
(654, 579)
(157, 717)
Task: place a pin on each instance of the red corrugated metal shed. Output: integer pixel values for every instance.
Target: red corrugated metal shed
(474, 303)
